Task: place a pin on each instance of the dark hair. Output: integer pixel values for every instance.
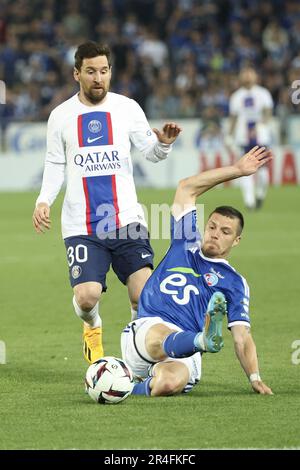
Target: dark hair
(90, 49)
(232, 213)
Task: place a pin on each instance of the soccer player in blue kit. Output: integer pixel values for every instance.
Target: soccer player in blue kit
(183, 303)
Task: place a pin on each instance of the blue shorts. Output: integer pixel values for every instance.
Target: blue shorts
(89, 257)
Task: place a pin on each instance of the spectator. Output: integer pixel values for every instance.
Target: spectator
(198, 42)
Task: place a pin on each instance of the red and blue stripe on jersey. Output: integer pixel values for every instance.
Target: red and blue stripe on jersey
(101, 203)
(94, 129)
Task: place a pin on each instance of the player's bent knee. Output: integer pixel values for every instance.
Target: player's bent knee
(87, 296)
(154, 341)
(168, 384)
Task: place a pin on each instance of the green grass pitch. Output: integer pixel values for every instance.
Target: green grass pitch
(42, 399)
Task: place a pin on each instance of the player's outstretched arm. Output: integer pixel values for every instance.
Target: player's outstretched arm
(245, 350)
(190, 188)
(41, 217)
(169, 133)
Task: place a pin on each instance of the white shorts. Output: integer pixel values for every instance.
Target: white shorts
(141, 365)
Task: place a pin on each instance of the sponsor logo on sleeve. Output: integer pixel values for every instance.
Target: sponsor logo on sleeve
(217, 273)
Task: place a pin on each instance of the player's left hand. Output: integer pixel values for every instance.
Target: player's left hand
(261, 388)
(169, 133)
(252, 160)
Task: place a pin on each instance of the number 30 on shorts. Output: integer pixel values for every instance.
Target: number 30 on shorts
(78, 254)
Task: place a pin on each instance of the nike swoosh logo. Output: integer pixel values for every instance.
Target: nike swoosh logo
(89, 140)
(145, 255)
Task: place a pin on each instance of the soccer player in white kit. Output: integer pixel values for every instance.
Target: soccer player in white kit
(250, 109)
(90, 136)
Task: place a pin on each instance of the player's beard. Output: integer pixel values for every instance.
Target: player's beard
(94, 96)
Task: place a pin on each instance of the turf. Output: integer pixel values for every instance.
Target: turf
(42, 399)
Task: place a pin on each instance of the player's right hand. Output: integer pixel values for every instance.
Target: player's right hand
(261, 388)
(41, 217)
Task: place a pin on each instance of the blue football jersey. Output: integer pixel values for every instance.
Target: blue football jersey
(182, 284)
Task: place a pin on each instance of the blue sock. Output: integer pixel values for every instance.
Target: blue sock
(180, 344)
(142, 388)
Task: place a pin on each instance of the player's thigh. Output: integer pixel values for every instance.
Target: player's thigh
(135, 353)
(154, 338)
(135, 284)
(132, 253)
(88, 260)
(133, 345)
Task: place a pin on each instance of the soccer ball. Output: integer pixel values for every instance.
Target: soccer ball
(109, 380)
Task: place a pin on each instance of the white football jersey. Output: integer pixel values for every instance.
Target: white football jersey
(93, 144)
(248, 106)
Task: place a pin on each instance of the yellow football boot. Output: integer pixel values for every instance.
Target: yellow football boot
(92, 344)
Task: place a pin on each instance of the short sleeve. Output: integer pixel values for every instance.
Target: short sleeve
(184, 228)
(238, 303)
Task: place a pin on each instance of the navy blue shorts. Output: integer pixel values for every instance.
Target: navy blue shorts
(127, 249)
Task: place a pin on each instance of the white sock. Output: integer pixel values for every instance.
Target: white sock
(92, 318)
(133, 314)
(200, 340)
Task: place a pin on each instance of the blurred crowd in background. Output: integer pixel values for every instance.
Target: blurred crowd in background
(177, 58)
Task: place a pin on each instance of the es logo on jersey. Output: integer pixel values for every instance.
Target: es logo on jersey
(211, 279)
(94, 129)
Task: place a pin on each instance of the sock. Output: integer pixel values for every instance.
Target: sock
(133, 314)
(181, 344)
(92, 318)
(142, 388)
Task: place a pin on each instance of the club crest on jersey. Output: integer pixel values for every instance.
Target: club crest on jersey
(94, 129)
(94, 126)
(211, 279)
(76, 272)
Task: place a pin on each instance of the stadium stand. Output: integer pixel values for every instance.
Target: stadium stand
(175, 57)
